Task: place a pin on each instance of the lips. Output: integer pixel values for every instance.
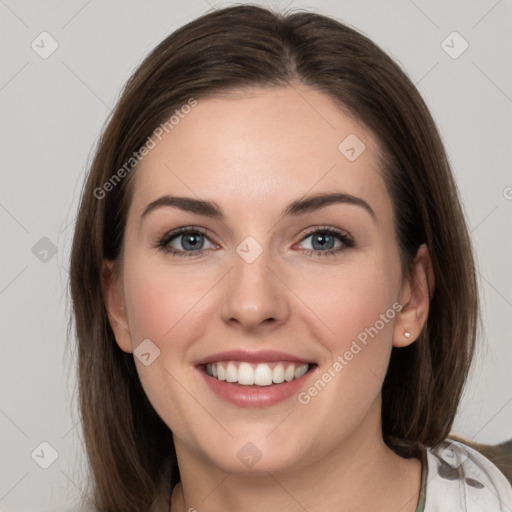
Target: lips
(261, 356)
(255, 379)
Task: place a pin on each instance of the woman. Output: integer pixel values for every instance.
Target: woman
(273, 284)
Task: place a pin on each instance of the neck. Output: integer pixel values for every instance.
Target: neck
(360, 474)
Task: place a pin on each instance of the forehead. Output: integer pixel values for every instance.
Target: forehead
(261, 148)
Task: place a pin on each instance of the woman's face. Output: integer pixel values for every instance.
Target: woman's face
(270, 281)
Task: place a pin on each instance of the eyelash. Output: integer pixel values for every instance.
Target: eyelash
(163, 243)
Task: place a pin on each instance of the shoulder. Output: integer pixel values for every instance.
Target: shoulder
(459, 478)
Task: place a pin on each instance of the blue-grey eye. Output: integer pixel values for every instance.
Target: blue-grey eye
(188, 241)
(191, 241)
(322, 241)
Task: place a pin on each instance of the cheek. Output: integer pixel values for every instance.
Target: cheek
(165, 306)
(354, 301)
(357, 308)
(161, 301)
(357, 305)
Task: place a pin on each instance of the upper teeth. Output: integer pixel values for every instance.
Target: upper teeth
(261, 374)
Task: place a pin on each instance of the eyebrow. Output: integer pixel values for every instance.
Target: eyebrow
(295, 208)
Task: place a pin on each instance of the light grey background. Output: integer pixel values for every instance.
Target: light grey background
(52, 111)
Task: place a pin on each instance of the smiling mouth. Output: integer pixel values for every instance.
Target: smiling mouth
(257, 374)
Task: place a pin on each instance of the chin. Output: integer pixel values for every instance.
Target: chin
(259, 453)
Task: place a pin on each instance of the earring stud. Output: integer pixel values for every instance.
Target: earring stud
(407, 334)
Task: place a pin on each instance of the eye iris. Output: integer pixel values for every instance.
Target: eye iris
(323, 240)
(190, 241)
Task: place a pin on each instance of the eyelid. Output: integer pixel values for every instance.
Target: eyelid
(330, 229)
(183, 230)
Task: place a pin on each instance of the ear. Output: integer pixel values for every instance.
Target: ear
(114, 304)
(415, 296)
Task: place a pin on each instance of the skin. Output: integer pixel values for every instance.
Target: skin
(253, 154)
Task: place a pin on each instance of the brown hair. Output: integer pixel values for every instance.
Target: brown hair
(233, 49)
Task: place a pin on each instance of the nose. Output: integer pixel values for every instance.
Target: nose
(255, 298)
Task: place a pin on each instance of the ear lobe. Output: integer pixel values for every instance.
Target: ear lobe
(417, 291)
(114, 304)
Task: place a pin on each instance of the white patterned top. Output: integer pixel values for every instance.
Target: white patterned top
(457, 478)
